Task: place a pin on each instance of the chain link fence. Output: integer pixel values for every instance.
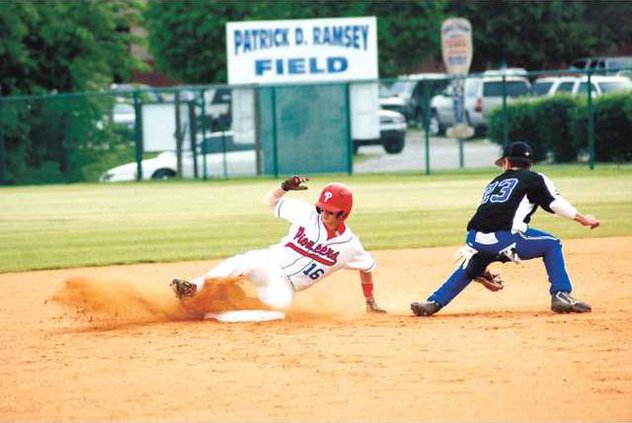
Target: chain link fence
(220, 131)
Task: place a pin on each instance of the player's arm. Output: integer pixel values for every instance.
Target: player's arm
(294, 183)
(560, 206)
(366, 279)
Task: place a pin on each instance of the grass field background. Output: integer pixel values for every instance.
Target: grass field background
(59, 226)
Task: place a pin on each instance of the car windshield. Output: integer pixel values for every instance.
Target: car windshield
(397, 88)
(580, 63)
(622, 63)
(123, 108)
(541, 88)
(608, 87)
(513, 88)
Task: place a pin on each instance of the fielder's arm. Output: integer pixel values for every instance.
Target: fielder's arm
(366, 278)
(563, 208)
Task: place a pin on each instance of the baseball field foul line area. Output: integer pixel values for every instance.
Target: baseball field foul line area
(111, 343)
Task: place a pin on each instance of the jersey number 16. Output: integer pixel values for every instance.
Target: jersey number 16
(314, 274)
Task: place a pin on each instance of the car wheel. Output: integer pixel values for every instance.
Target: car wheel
(394, 145)
(434, 127)
(163, 174)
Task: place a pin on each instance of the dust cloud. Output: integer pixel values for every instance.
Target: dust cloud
(112, 304)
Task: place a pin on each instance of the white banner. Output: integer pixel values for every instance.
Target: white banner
(456, 45)
(302, 50)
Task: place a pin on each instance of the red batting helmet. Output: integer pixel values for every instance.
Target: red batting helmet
(336, 198)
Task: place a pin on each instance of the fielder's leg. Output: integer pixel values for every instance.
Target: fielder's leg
(535, 243)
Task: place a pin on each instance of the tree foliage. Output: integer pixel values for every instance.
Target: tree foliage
(65, 46)
(537, 34)
(188, 38)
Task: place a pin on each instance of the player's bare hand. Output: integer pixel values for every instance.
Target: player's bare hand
(294, 183)
(588, 220)
(592, 221)
(372, 307)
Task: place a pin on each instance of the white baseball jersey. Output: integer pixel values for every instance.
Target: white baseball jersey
(306, 255)
(302, 258)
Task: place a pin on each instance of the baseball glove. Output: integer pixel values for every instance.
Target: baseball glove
(491, 281)
(294, 183)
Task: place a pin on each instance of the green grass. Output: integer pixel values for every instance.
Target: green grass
(58, 226)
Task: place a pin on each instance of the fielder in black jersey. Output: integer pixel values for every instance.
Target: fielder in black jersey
(498, 231)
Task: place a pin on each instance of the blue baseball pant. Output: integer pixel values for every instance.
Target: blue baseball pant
(529, 245)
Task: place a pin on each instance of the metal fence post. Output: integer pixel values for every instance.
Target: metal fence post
(3, 154)
(505, 118)
(275, 134)
(138, 139)
(426, 100)
(591, 126)
(203, 128)
(192, 135)
(349, 132)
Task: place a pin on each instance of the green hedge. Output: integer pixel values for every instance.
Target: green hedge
(557, 127)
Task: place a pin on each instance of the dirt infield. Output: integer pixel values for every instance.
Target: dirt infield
(111, 343)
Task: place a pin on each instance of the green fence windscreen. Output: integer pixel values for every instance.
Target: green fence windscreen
(304, 129)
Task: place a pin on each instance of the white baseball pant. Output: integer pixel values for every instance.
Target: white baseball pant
(260, 268)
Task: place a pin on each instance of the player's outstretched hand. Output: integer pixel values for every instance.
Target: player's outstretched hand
(592, 221)
(294, 183)
(372, 307)
(588, 220)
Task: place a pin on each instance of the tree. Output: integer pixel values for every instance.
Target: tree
(188, 38)
(63, 46)
(58, 46)
(537, 34)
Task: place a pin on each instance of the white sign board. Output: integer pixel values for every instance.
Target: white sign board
(302, 50)
(456, 45)
(159, 127)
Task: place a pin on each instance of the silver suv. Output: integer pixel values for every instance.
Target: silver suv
(482, 93)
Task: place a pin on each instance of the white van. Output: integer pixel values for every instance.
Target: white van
(608, 64)
(601, 84)
(482, 93)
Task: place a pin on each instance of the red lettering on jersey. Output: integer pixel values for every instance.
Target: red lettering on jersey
(321, 253)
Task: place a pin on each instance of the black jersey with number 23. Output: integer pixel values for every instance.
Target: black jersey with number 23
(510, 199)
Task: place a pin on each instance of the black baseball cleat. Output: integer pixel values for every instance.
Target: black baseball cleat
(426, 308)
(563, 302)
(183, 289)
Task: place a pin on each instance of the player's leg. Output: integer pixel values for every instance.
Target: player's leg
(273, 288)
(459, 279)
(231, 267)
(260, 268)
(450, 288)
(535, 243)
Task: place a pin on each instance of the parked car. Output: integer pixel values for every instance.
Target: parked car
(239, 160)
(392, 133)
(608, 65)
(124, 115)
(406, 94)
(482, 93)
(578, 85)
(147, 92)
